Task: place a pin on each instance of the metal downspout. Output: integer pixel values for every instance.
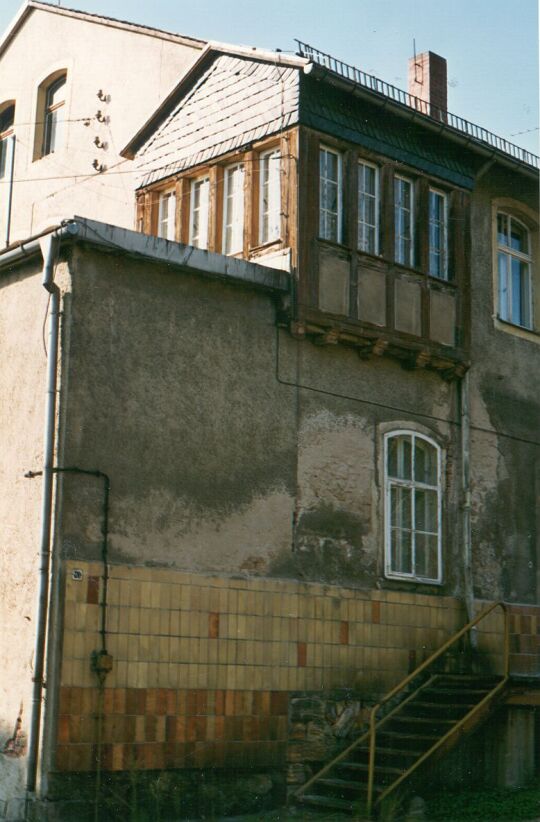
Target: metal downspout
(50, 246)
(464, 391)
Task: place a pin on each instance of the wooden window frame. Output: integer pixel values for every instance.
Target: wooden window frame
(167, 195)
(368, 164)
(338, 239)
(444, 273)
(241, 219)
(410, 263)
(194, 181)
(262, 156)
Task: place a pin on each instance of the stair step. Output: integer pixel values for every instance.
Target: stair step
(440, 705)
(327, 802)
(345, 784)
(454, 691)
(360, 766)
(422, 720)
(401, 735)
(381, 749)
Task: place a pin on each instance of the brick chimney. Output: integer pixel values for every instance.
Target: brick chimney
(427, 81)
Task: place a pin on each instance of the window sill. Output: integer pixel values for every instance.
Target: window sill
(272, 245)
(517, 330)
(413, 580)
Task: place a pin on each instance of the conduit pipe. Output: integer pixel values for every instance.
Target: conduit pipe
(464, 398)
(50, 244)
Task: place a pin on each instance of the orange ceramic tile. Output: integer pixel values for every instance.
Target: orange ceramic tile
(301, 651)
(376, 612)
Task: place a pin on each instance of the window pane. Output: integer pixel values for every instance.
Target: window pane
(503, 286)
(521, 308)
(234, 209)
(401, 551)
(425, 510)
(403, 221)
(199, 213)
(518, 237)
(426, 556)
(329, 195)
(438, 251)
(399, 457)
(270, 197)
(400, 504)
(367, 209)
(502, 229)
(425, 462)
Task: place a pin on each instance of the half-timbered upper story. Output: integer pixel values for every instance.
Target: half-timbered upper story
(362, 191)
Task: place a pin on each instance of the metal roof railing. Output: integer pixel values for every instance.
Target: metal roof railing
(385, 89)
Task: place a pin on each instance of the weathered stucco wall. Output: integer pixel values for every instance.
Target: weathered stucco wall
(23, 307)
(505, 407)
(230, 446)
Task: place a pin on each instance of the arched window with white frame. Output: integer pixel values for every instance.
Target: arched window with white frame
(413, 497)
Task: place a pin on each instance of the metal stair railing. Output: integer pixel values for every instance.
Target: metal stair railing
(428, 662)
(375, 724)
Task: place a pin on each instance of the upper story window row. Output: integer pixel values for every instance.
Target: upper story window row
(225, 207)
(333, 208)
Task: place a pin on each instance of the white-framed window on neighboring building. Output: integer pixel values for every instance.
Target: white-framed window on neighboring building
(55, 100)
(368, 207)
(330, 194)
(270, 196)
(199, 212)
(167, 215)
(7, 120)
(438, 234)
(514, 263)
(413, 497)
(233, 209)
(404, 221)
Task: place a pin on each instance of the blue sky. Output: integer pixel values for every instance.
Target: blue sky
(491, 45)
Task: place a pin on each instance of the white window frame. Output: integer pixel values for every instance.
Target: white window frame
(443, 250)
(236, 218)
(6, 141)
(513, 254)
(199, 240)
(411, 260)
(270, 176)
(412, 484)
(166, 228)
(52, 123)
(339, 183)
(362, 223)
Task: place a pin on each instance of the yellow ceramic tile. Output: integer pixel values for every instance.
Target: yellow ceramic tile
(133, 621)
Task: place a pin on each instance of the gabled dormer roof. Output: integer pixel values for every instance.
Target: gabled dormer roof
(28, 8)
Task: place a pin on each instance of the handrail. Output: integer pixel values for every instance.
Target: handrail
(429, 661)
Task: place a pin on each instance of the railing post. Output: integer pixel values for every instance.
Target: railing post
(371, 771)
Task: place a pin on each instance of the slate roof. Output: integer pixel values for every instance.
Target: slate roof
(233, 103)
(338, 113)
